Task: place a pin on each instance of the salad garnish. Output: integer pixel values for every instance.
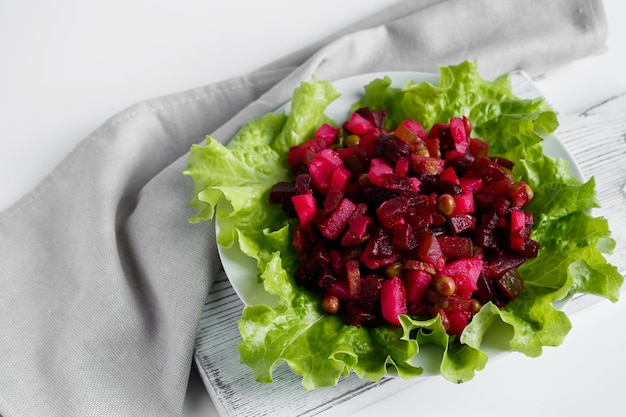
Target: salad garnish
(233, 183)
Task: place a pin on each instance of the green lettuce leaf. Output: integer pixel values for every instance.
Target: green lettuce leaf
(232, 183)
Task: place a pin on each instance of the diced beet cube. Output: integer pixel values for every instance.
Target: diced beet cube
(327, 134)
(456, 321)
(495, 216)
(333, 226)
(302, 154)
(352, 160)
(375, 117)
(356, 316)
(430, 251)
(322, 167)
(488, 170)
(498, 264)
(402, 165)
(464, 204)
(503, 162)
(446, 142)
(426, 165)
(376, 262)
(366, 144)
(379, 250)
(281, 192)
(306, 278)
(529, 249)
(335, 260)
(394, 150)
(361, 209)
(379, 167)
(397, 183)
(305, 206)
(449, 174)
(419, 201)
(462, 164)
(303, 184)
(479, 147)
(370, 291)
(345, 153)
(357, 124)
(460, 223)
(471, 185)
(459, 135)
(452, 155)
(392, 211)
(340, 289)
(439, 220)
(339, 179)
(420, 218)
(404, 237)
(375, 196)
(416, 283)
(380, 145)
(294, 156)
(331, 202)
(393, 300)
(326, 279)
(435, 130)
(432, 144)
(517, 229)
(456, 247)
(499, 187)
(484, 201)
(357, 232)
(487, 291)
(382, 243)
(444, 186)
(318, 258)
(486, 237)
(465, 272)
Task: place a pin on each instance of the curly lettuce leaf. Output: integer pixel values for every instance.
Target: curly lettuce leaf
(234, 181)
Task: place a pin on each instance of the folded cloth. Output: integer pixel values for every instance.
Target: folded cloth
(102, 277)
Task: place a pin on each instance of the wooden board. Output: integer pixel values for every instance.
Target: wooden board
(595, 137)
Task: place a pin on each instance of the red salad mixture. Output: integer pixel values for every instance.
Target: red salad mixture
(406, 221)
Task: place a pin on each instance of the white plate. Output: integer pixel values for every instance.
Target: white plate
(242, 271)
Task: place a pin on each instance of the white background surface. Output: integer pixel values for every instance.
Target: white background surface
(69, 65)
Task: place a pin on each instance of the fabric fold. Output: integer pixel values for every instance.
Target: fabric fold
(103, 278)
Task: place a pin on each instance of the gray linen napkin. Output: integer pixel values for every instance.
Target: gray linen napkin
(102, 278)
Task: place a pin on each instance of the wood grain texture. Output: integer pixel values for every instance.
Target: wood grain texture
(596, 138)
